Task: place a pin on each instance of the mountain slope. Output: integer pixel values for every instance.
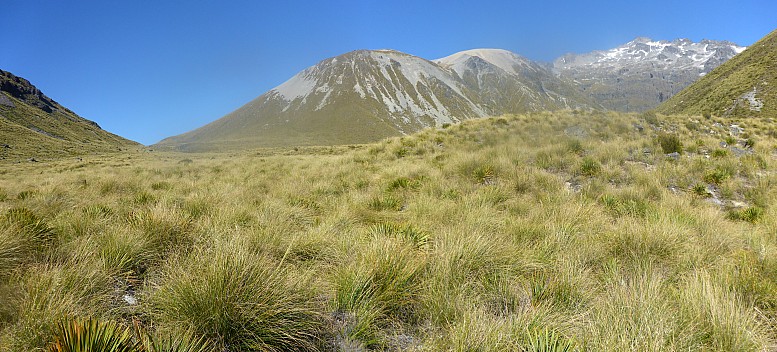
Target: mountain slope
(365, 95)
(742, 87)
(33, 125)
(643, 73)
(509, 83)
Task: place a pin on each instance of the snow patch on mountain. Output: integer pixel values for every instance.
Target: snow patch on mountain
(643, 73)
(677, 54)
(413, 68)
(299, 86)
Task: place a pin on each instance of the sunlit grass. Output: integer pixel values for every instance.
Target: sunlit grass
(491, 235)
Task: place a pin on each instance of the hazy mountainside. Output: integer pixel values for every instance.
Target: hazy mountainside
(741, 87)
(33, 125)
(641, 74)
(364, 95)
(507, 82)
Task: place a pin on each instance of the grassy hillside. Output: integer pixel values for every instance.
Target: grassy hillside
(341, 122)
(742, 87)
(34, 126)
(492, 235)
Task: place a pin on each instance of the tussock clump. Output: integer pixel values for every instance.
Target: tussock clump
(236, 299)
(626, 204)
(416, 238)
(380, 288)
(47, 294)
(670, 143)
(385, 201)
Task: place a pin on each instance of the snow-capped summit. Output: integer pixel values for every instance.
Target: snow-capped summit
(744, 87)
(677, 54)
(644, 72)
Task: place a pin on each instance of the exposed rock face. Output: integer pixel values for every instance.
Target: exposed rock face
(22, 89)
(643, 73)
(5, 101)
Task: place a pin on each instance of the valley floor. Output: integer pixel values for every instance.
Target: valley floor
(577, 229)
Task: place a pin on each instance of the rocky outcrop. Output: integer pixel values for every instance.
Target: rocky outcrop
(22, 89)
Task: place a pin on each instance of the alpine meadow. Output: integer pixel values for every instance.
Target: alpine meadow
(569, 228)
(618, 200)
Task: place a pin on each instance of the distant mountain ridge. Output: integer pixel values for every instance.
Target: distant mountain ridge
(643, 73)
(743, 87)
(32, 125)
(366, 95)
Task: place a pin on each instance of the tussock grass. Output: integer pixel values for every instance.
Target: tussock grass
(548, 231)
(235, 299)
(379, 289)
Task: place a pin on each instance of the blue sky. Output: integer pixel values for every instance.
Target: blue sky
(147, 70)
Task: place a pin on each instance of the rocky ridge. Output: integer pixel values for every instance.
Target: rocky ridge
(643, 73)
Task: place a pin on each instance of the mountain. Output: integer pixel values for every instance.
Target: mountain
(506, 82)
(642, 73)
(33, 125)
(366, 95)
(742, 87)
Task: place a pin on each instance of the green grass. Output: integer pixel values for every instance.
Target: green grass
(31, 132)
(236, 299)
(548, 341)
(91, 335)
(491, 235)
(670, 143)
(84, 335)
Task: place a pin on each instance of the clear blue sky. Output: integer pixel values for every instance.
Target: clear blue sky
(147, 70)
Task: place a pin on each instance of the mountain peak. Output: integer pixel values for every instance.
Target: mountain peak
(506, 60)
(643, 40)
(387, 51)
(365, 95)
(485, 52)
(642, 73)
